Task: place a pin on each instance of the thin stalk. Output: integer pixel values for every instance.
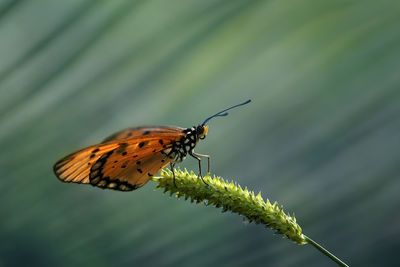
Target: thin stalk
(325, 251)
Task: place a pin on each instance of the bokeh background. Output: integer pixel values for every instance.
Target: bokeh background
(321, 136)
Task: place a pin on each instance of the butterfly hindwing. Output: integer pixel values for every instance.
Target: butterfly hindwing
(132, 164)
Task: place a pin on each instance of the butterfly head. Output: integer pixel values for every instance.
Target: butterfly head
(202, 131)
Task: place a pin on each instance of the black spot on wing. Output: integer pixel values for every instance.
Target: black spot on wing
(142, 144)
(125, 164)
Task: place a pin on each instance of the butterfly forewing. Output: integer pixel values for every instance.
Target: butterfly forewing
(126, 161)
(76, 167)
(143, 131)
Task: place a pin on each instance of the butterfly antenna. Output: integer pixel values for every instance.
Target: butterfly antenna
(224, 112)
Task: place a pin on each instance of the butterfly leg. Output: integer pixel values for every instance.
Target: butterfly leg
(208, 160)
(198, 157)
(172, 166)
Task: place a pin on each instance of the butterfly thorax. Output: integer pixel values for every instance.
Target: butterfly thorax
(187, 143)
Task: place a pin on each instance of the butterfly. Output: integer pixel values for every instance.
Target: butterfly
(127, 160)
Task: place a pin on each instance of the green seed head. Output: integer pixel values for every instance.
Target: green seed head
(231, 196)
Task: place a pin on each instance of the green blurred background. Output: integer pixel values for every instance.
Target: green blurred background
(321, 136)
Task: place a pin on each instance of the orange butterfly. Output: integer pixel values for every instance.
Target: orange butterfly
(128, 159)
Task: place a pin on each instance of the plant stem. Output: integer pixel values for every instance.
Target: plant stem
(326, 252)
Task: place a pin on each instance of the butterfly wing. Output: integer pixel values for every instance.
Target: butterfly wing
(143, 131)
(76, 167)
(132, 164)
(121, 163)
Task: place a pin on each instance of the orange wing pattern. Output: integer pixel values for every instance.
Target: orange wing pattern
(126, 161)
(76, 167)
